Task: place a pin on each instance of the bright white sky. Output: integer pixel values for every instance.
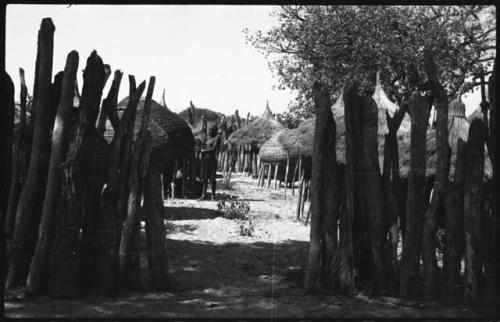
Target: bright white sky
(197, 53)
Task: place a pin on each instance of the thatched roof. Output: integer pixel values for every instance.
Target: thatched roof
(170, 134)
(458, 127)
(299, 141)
(272, 150)
(258, 131)
(209, 115)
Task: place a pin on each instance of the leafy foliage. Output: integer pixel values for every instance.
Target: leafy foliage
(337, 44)
(234, 209)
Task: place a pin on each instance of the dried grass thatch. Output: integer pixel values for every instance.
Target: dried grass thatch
(171, 135)
(272, 151)
(209, 115)
(384, 105)
(256, 132)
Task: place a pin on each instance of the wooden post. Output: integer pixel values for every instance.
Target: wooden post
(300, 196)
(261, 173)
(473, 195)
(269, 175)
(443, 160)
(27, 214)
(75, 169)
(155, 229)
(60, 139)
(108, 226)
(374, 192)
(355, 251)
(276, 166)
(7, 112)
(294, 177)
(286, 172)
(19, 157)
(126, 259)
(410, 260)
(454, 204)
(324, 199)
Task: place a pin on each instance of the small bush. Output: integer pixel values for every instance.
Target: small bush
(234, 209)
(246, 228)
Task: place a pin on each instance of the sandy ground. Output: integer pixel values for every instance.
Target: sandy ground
(217, 272)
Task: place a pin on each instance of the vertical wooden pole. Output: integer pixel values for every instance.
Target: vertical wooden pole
(155, 229)
(294, 177)
(276, 166)
(184, 181)
(300, 196)
(269, 175)
(31, 197)
(473, 195)
(286, 172)
(60, 138)
(7, 116)
(410, 264)
(454, 204)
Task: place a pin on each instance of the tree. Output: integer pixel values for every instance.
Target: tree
(354, 42)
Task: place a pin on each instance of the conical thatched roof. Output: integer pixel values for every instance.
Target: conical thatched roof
(171, 135)
(258, 131)
(458, 127)
(272, 150)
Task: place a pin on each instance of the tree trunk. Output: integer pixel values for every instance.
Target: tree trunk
(286, 173)
(126, 259)
(155, 228)
(443, 168)
(324, 214)
(410, 260)
(60, 137)
(454, 204)
(473, 197)
(27, 214)
(75, 169)
(7, 111)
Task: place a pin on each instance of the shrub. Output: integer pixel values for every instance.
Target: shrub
(246, 228)
(234, 209)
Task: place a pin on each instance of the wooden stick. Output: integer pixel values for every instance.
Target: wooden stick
(286, 172)
(276, 166)
(294, 177)
(269, 175)
(300, 196)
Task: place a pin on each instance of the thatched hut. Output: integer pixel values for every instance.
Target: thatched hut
(256, 132)
(253, 135)
(171, 135)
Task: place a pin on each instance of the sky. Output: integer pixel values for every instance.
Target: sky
(197, 53)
